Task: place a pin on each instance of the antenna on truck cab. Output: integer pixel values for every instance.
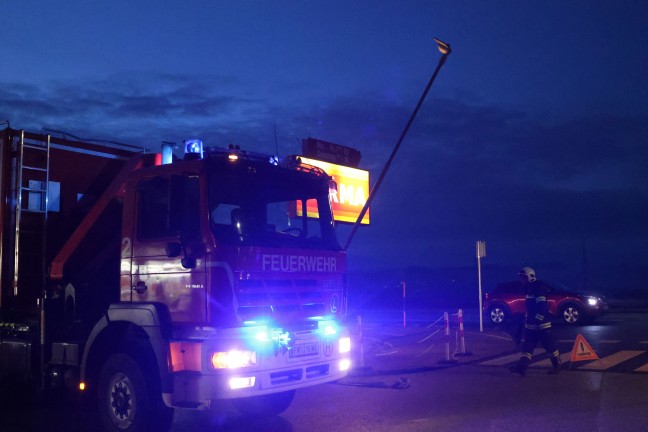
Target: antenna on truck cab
(445, 51)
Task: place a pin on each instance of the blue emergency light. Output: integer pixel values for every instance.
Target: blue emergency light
(193, 149)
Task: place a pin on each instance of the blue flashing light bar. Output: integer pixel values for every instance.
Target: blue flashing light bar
(193, 148)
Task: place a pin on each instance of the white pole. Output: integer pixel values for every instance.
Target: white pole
(361, 340)
(462, 337)
(481, 252)
(446, 336)
(481, 318)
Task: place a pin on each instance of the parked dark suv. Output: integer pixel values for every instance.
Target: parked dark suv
(507, 300)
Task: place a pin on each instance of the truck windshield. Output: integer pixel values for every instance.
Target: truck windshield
(257, 205)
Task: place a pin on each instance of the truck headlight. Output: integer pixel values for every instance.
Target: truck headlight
(233, 359)
(345, 345)
(345, 365)
(236, 383)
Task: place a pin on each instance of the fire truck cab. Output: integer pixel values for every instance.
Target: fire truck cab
(190, 280)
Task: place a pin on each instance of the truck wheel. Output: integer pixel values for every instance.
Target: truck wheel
(127, 401)
(265, 405)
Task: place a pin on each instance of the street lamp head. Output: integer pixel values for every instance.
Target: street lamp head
(444, 48)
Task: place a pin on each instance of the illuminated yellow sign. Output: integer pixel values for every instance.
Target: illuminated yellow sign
(351, 195)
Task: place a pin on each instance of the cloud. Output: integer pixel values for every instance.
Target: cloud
(465, 171)
(525, 180)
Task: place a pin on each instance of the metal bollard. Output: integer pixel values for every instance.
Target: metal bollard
(461, 332)
(361, 341)
(446, 337)
(404, 303)
(462, 338)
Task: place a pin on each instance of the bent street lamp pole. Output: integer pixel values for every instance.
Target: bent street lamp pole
(445, 50)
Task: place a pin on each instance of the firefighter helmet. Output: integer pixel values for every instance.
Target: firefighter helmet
(529, 273)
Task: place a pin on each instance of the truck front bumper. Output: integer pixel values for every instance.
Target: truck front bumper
(309, 358)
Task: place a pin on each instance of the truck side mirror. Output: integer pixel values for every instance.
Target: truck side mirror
(192, 251)
(173, 249)
(188, 262)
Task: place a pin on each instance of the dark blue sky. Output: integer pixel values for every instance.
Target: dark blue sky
(534, 137)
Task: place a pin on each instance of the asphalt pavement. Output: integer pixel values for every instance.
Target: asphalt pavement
(386, 342)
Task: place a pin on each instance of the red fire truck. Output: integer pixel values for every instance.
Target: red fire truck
(150, 282)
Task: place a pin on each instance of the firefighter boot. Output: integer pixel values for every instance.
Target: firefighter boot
(555, 365)
(520, 367)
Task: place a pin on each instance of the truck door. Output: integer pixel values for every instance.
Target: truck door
(168, 264)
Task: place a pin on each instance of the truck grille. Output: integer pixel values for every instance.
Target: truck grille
(281, 297)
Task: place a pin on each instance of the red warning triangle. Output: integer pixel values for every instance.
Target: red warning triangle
(582, 350)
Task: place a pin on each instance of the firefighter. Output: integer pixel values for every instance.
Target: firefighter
(537, 324)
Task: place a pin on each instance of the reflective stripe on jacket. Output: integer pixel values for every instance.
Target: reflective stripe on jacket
(537, 307)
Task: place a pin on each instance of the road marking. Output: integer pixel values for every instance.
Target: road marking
(501, 361)
(606, 341)
(564, 357)
(597, 365)
(611, 360)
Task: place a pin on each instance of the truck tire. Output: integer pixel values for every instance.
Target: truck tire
(265, 405)
(127, 400)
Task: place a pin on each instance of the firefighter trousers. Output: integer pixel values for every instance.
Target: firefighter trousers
(544, 336)
(531, 339)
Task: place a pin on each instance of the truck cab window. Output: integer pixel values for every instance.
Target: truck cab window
(168, 208)
(259, 208)
(153, 221)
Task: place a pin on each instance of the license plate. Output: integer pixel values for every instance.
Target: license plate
(304, 350)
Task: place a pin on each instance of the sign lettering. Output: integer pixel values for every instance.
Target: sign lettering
(297, 263)
(350, 196)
